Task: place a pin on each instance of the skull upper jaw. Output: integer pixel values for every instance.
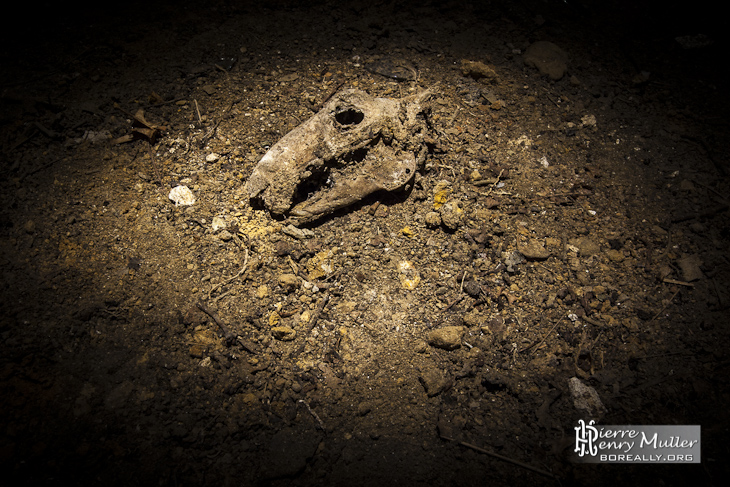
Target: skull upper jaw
(354, 146)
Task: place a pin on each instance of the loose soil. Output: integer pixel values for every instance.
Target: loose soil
(584, 236)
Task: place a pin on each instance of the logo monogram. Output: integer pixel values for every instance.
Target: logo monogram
(585, 436)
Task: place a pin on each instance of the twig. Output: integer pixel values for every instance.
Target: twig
(197, 109)
(679, 283)
(313, 322)
(219, 285)
(327, 98)
(314, 415)
(537, 345)
(491, 188)
(501, 457)
(455, 301)
(227, 334)
(664, 307)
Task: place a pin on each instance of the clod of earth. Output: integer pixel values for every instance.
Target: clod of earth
(354, 146)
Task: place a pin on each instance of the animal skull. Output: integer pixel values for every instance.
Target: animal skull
(355, 145)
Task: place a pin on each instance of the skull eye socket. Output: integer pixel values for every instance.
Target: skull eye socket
(349, 116)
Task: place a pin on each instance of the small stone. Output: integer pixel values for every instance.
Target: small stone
(212, 157)
(283, 333)
(586, 399)
(690, 265)
(615, 255)
(262, 291)
(533, 250)
(452, 215)
(408, 275)
(433, 219)
(218, 224)
(225, 235)
(472, 288)
(298, 233)
(477, 70)
(447, 337)
(182, 196)
(434, 381)
(289, 282)
(473, 318)
(548, 58)
(29, 226)
(587, 247)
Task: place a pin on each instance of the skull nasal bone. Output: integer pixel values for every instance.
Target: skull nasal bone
(349, 116)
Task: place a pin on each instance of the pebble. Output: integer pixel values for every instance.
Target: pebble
(615, 255)
(283, 333)
(586, 246)
(408, 275)
(289, 282)
(477, 70)
(452, 215)
(690, 265)
(182, 196)
(548, 58)
(262, 291)
(433, 219)
(533, 250)
(434, 381)
(586, 399)
(447, 337)
(218, 224)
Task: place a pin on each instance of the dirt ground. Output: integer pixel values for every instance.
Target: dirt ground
(584, 236)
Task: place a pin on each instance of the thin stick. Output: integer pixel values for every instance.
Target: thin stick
(665, 306)
(219, 285)
(319, 421)
(502, 457)
(491, 188)
(679, 283)
(544, 337)
(313, 322)
(197, 110)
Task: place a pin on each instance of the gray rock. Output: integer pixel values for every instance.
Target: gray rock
(548, 58)
(586, 399)
(690, 265)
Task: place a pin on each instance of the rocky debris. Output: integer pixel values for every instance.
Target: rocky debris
(434, 381)
(452, 215)
(289, 282)
(408, 275)
(586, 399)
(548, 58)
(478, 70)
(433, 219)
(447, 337)
(283, 333)
(586, 246)
(690, 266)
(182, 196)
(533, 250)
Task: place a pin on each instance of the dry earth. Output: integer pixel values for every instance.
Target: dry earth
(584, 235)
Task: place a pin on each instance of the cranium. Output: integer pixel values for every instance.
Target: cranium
(355, 145)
